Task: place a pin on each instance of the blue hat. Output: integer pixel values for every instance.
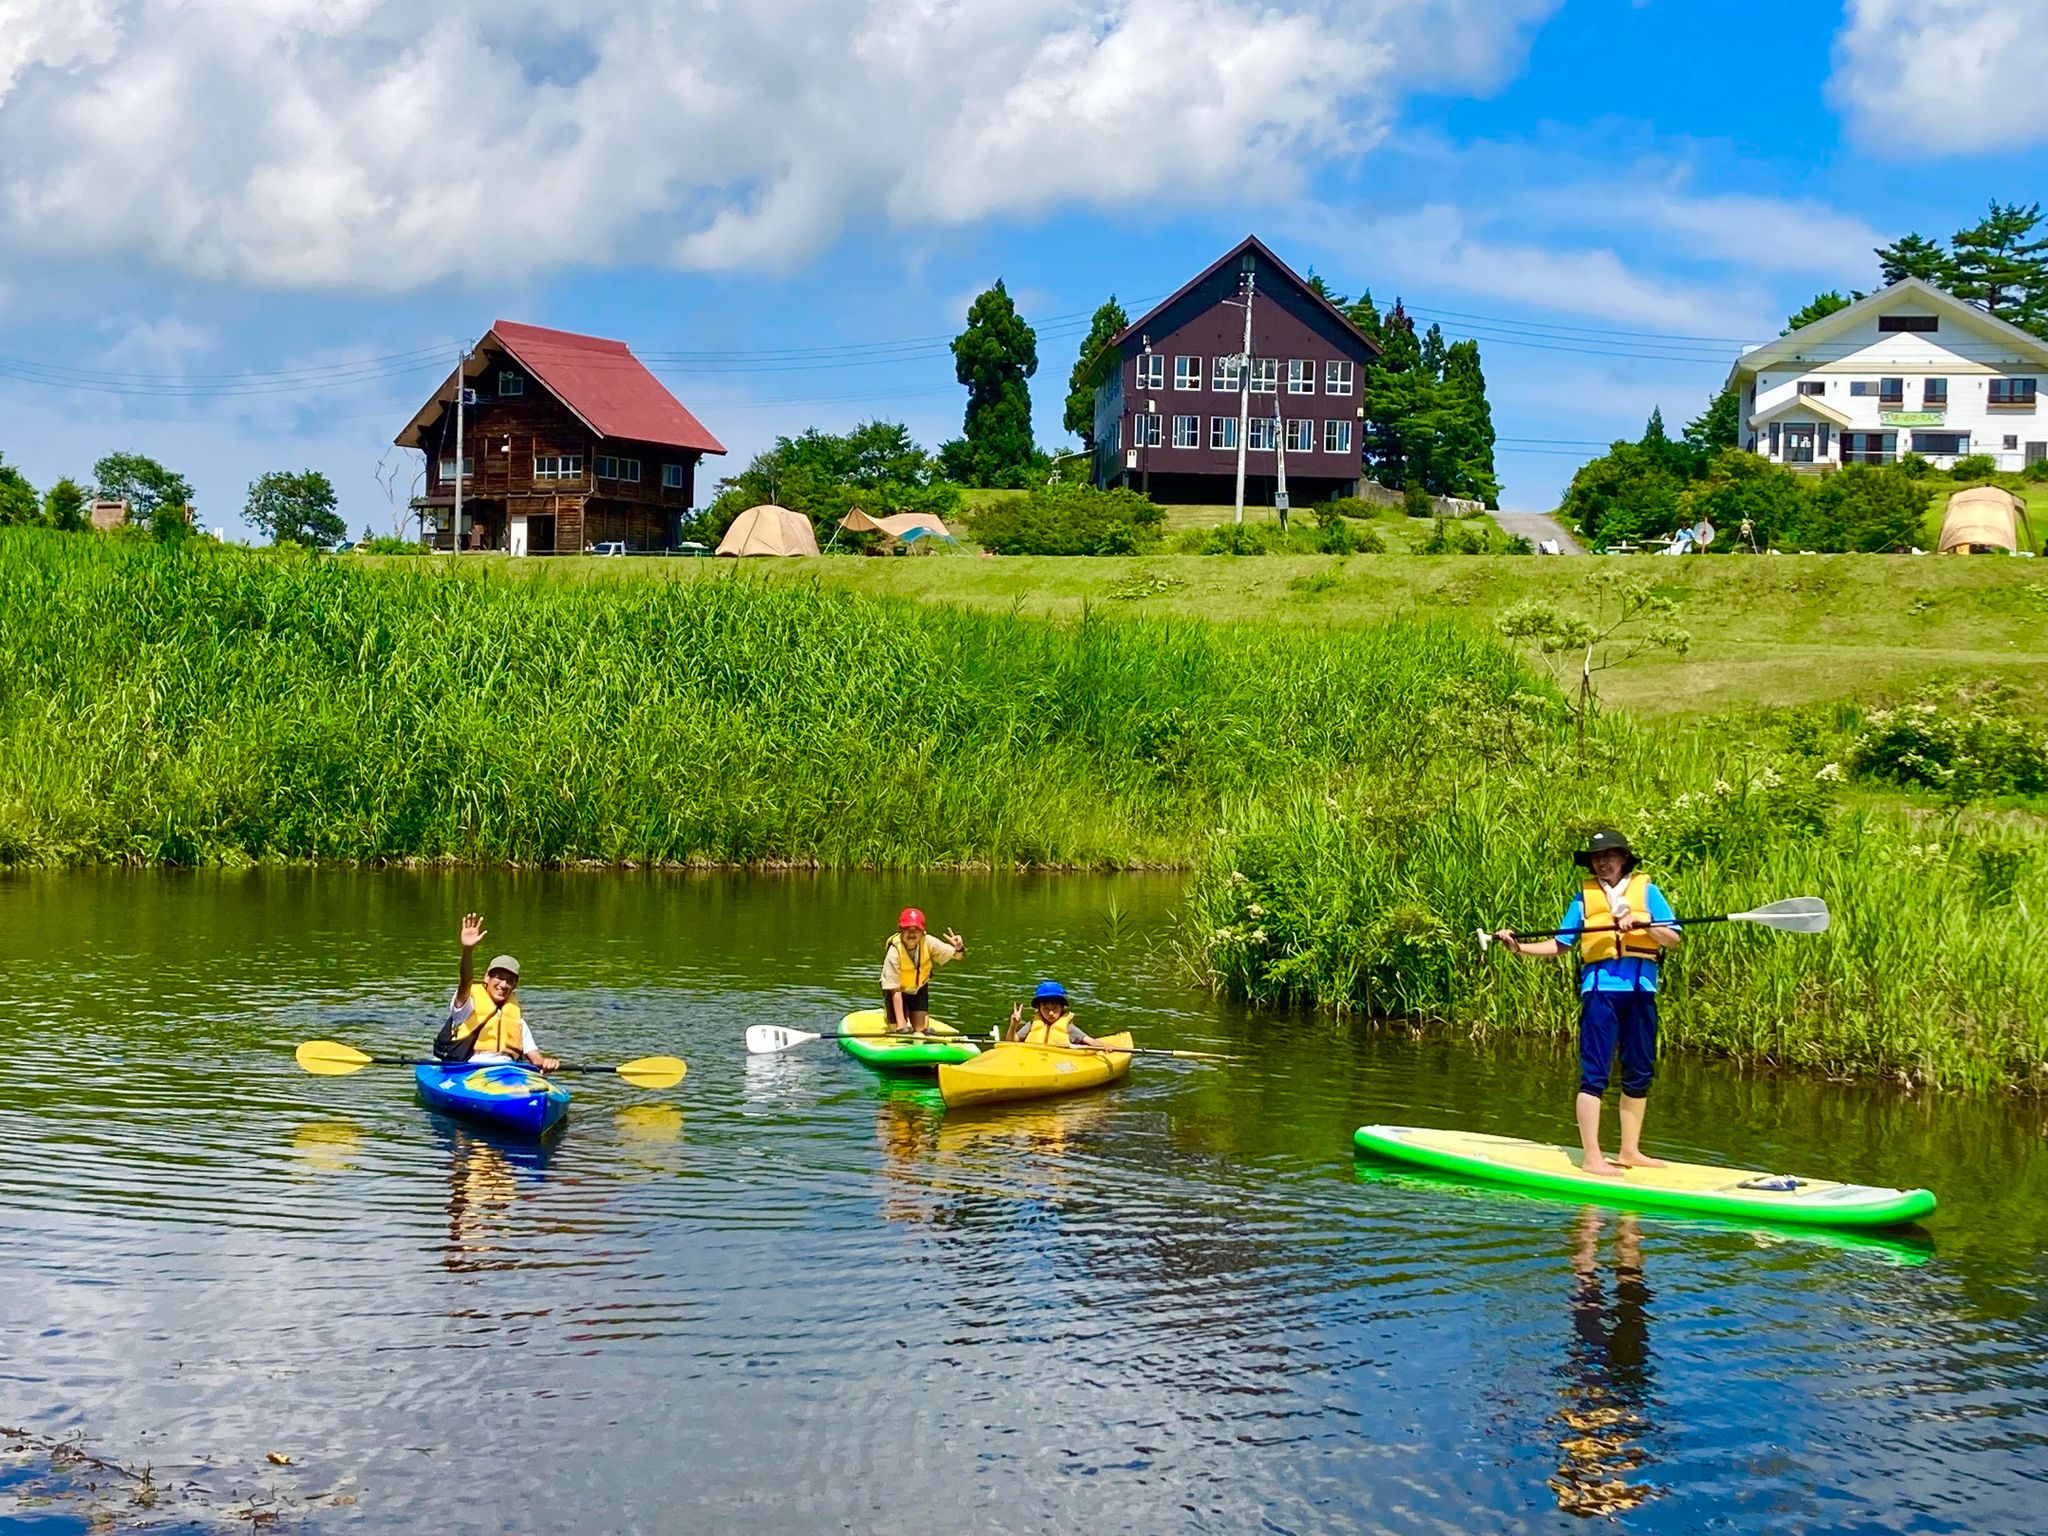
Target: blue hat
(1049, 992)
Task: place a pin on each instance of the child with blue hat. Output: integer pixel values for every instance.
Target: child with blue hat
(1054, 1025)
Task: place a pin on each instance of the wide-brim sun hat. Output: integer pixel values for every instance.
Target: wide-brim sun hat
(1606, 840)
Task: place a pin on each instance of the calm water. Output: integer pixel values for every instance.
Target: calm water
(792, 1295)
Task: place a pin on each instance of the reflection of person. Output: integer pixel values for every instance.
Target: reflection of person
(908, 960)
(481, 1189)
(1621, 924)
(1607, 1377)
(1052, 1024)
(484, 1021)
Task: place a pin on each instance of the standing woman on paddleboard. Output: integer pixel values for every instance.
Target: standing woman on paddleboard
(908, 960)
(484, 1021)
(1621, 924)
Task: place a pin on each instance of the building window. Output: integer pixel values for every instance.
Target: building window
(1224, 375)
(558, 466)
(1265, 375)
(510, 383)
(674, 477)
(1774, 439)
(609, 468)
(1301, 375)
(1909, 322)
(2012, 443)
(1187, 373)
(1942, 444)
(1259, 434)
(1812, 387)
(468, 468)
(1337, 436)
(1222, 431)
(2012, 392)
(1145, 430)
(1869, 447)
(1187, 431)
(1337, 376)
(1116, 436)
(1301, 436)
(1891, 391)
(1151, 370)
(1934, 393)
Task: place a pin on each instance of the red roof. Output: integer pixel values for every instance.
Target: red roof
(606, 385)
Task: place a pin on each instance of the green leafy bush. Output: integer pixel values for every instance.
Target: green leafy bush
(1347, 506)
(1415, 500)
(1741, 485)
(1964, 745)
(1864, 508)
(1627, 493)
(1069, 520)
(2036, 471)
(1447, 537)
(1975, 466)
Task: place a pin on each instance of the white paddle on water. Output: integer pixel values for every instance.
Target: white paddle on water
(1795, 914)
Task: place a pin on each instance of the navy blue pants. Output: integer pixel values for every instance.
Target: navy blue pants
(1624, 1019)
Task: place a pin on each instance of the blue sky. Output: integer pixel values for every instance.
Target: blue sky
(243, 236)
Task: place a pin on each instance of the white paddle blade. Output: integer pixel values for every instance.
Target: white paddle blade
(1795, 914)
(766, 1039)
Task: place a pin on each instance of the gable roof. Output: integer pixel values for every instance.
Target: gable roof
(600, 382)
(1236, 253)
(1793, 348)
(1809, 405)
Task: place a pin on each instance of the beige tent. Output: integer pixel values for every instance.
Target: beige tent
(769, 530)
(1983, 517)
(896, 527)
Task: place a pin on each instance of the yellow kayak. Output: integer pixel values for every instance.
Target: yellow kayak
(1013, 1071)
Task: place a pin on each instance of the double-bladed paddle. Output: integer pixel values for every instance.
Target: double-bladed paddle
(768, 1039)
(1795, 914)
(330, 1058)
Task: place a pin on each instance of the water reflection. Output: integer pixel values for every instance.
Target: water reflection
(327, 1146)
(483, 1186)
(1607, 1380)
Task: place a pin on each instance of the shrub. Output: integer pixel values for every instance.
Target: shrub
(1915, 464)
(1742, 485)
(384, 544)
(1069, 520)
(1340, 538)
(1234, 539)
(1346, 506)
(1864, 508)
(1415, 500)
(2036, 471)
(1975, 466)
(1626, 493)
(1964, 746)
(1454, 538)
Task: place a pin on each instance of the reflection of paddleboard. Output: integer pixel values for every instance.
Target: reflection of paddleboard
(1680, 1187)
(865, 1037)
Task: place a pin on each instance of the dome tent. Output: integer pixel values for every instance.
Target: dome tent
(769, 530)
(1983, 517)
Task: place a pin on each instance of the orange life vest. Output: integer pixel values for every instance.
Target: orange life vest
(496, 1031)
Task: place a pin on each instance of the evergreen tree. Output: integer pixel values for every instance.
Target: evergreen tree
(1818, 308)
(18, 502)
(64, 505)
(1999, 263)
(1914, 256)
(994, 357)
(1365, 315)
(1466, 427)
(1320, 286)
(1718, 426)
(1433, 352)
(1096, 362)
(1397, 393)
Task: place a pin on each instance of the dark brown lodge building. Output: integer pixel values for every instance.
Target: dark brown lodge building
(1166, 421)
(568, 441)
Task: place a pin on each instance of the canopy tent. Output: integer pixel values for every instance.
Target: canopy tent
(769, 530)
(1983, 517)
(906, 526)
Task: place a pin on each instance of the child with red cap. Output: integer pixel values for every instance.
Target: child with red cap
(907, 963)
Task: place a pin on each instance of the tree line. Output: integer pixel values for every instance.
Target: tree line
(292, 507)
(2000, 264)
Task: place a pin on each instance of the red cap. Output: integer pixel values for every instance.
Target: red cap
(911, 918)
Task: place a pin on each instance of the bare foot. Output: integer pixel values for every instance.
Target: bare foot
(1599, 1166)
(1641, 1160)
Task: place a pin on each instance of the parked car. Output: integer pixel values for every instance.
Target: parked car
(611, 547)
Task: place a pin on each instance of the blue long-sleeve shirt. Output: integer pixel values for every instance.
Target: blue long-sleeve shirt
(1624, 973)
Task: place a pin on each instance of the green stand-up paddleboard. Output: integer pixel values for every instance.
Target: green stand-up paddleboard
(1531, 1165)
(865, 1037)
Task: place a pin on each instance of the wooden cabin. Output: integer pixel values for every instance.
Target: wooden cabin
(568, 443)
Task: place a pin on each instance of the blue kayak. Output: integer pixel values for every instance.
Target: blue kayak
(507, 1095)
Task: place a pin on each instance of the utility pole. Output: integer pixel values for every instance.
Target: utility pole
(461, 389)
(1244, 390)
(1280, 461)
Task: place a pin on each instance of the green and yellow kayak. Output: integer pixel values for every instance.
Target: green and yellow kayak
(865, 1037)
(1013, 1071)
(1532, 1165)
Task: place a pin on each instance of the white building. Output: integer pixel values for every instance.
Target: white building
(1908, 369)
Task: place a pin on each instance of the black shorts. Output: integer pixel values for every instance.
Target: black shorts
(914, 1003)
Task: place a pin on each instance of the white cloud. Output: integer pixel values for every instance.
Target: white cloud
(384, 144)
(1942, 76)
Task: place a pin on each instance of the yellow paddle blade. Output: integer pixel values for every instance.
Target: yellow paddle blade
(330, 1058)
(654, 1071)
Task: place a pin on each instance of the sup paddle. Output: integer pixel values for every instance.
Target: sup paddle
(1795, 914)
(330, 1058)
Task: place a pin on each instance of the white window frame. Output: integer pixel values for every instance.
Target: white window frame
(1337, 435)
(1187, 373)
(558, 466)
(1259, 435)
(1151, 372)
(1224, 375)
(674, 477)
(1145, 428)
(510, 383)
(1301, 434)
(468, 467)
(1301, 375)
(1265, 375)
(1337, 376)
(1192, 436)
(1223, 434)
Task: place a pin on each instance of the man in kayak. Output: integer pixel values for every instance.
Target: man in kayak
(1621, 924)
(908, 960)
(484, 1022)
(1053, 1024)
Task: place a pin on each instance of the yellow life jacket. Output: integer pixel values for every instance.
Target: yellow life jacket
(912, 976)
(1636, 944)
(1055, 1033)
(497, 1031)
